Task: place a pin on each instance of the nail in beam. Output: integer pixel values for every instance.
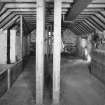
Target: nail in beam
(56, 51)
(40, 30)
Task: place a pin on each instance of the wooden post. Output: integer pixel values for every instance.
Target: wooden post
(12, 45)
(9, 79)
(21, 35)
(40, 30)
(56, 51)
(8, 46)
(48, 45)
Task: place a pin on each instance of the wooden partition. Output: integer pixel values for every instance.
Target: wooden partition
(98, 64)
(13, 72)
(3, 82)
(8, 75)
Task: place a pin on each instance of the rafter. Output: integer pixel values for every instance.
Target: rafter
(10, 23)
(96, 6)
(69, 1)
(4, 22)
(91, 25)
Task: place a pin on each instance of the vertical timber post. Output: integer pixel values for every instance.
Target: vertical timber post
(21, 35)
(9, 79)
(8, 46)
(40, 31)
(57, 51)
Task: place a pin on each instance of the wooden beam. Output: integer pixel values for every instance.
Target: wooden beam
(68, 1)
(98, 1)
(84, 27)
(8, 46)
(66, 5)
(81, 28)
(100, 20)
(20, 5)
(5, 15)
(23, 9)
(10, 23)
(13, 45)
(92, 9)
(96, 6)
(57, 51)
(78, 6)
(40, 31)
(23, 1)
(3, 10)
(88, 26)
(95, 16)
(21, 35)
(79, 31)
(5, 21)
(96, 22)
(92, 24)
(88, 13)
(17, 1)
(25, 13)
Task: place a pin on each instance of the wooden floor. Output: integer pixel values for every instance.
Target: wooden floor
(78, 86)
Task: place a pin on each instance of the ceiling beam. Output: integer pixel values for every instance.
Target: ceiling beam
(78, 6)
(66, 5)
(99, 19)
(97, 22)
(98, 1)
(17, 1)
(90, 24)
(10, 23)
(78, 31)
(92, 9)
(86, 27)
(20, 5)
(82, 28)
(96, 6)
(6, 20)
(22, 10)
(93, 23)
(24, 1)
(68, 1)
(82, 31)
(5, 15)
(25, 13)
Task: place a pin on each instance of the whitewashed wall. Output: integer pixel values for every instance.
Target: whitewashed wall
(3, 47)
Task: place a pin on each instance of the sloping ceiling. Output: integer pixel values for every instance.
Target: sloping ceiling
(91, 18)
(11, 10)
(81, 16)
